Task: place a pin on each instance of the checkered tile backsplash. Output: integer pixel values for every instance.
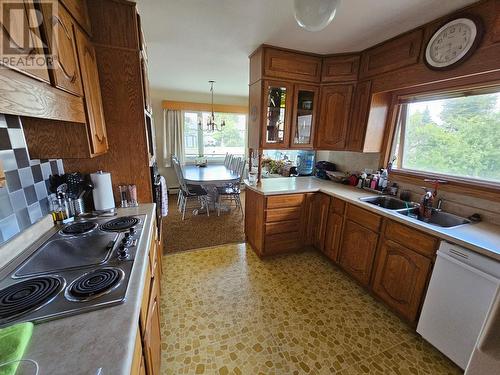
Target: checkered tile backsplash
(23, 200)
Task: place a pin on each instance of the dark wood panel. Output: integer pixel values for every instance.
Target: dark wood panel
(122, 31)
(358, 251)
(331, 131)
(394, 54)
(291, 65)
(340, 68)
(255, 116)
(48, 139)
(127, 157)
(400, 278)
(24, 96)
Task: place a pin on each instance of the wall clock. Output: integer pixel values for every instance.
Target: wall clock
(453, 43)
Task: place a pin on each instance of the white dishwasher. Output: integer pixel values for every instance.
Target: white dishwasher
(462, 287)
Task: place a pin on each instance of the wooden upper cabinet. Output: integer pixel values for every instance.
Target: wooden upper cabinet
(78, 9)
(291, 65)
(305, 113)
(92, 90)
(331, 131)
(359, 116)
(66, 70)
(277, 114)
(22, 41)
(340, 68)
(357, 251)
(145, 85)
(400, 278)
(396, 53)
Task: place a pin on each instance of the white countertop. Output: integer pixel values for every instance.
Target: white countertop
(105, 338)
(483, 238)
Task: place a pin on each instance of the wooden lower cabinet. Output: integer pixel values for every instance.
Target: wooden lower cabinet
(357, 251)
(152, 336)
(333, 236)
(149, 321)
(318, 208)
(400, 278)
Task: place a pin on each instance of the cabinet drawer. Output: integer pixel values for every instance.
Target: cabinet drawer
(420, 242)
(363, 217)
(283, 214)
(282, 201)
(281, 243)
(337, 206)
(283, 227)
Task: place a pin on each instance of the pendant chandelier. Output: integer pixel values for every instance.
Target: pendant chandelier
(211, 125)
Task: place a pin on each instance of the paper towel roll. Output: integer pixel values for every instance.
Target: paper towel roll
(103, 191)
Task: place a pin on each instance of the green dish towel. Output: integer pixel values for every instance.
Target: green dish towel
(13, 343)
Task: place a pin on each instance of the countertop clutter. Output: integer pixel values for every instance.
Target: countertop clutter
(100, 341)
(483, 238)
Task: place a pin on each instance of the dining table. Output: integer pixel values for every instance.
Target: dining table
(210, 177)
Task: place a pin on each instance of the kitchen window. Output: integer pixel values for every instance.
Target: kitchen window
(231, 139)
(455, 135)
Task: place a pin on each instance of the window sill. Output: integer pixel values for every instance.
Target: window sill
(475, 188)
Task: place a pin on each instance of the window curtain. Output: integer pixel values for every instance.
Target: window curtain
(173, 136)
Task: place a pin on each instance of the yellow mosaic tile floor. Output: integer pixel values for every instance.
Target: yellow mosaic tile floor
(225, 311)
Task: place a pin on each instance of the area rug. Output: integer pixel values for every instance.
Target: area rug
(201, 231)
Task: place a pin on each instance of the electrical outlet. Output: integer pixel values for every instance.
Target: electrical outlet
(2, 175)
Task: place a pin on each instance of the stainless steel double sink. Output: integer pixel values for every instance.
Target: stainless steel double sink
(410, 209)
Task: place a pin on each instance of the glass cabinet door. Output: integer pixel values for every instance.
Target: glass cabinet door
(305, 103)
(277, 116)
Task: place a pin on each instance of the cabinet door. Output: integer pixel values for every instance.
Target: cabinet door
(359, 116)
(335, 107)
(305, 105)
(319, 206)
(152, 342)
(78, 9)
(340, 68)
(66, 71)
(400, 278)
(277, 114)
(22, 47)
(291, 65)
(357, 251)
(333, 236)
(145, 85)
(92, 90)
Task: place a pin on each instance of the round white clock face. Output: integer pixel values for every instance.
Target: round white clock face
(451, 43)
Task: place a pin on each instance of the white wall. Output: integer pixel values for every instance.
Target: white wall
(157, 96)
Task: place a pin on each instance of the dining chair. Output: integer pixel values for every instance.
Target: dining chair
(232, 191)
(190, 191)
(175, 159)
(226, 159)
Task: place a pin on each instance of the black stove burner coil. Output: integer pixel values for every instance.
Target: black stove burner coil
(95, 282)
(119, 224)
(27, 295)
(79, 228)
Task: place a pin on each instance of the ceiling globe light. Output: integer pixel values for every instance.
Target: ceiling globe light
(315, 15)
